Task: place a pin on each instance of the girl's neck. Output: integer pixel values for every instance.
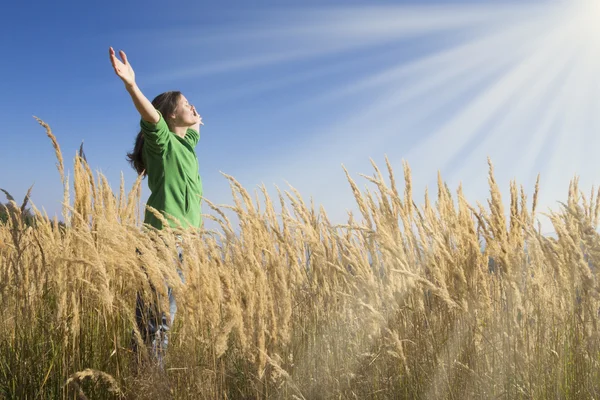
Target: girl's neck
(179, 130)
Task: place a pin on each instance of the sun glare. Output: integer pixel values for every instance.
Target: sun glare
(587, 18)
(517, 83)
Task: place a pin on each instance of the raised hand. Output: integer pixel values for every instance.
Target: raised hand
(122, 69)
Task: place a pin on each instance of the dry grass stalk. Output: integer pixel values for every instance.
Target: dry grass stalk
(441, 300)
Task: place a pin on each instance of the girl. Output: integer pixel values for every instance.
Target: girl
(164, 152)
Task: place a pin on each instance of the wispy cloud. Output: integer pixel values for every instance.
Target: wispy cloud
(311, 33)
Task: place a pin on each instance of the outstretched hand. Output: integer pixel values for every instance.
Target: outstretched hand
(122, 68)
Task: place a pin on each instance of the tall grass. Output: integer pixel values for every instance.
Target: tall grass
(446, 300)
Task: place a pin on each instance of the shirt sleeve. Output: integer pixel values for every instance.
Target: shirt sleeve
(156, 135)
(192, 136)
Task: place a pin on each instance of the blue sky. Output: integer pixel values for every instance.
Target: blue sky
(290, 91)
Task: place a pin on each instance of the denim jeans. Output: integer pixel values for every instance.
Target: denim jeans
(153, 323)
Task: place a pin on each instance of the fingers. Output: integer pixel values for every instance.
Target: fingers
(113, 59)
(123, 57)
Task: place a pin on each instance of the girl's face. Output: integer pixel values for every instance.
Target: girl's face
(185, 114)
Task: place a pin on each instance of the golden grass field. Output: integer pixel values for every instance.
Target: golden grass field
(445, 300)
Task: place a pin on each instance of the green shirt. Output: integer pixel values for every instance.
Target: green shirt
(173, 178)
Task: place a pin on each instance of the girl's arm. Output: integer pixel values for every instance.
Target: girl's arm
(125, 72)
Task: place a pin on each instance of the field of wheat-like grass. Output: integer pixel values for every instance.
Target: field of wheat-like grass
(431, 299)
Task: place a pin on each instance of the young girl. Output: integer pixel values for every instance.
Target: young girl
(164, 152)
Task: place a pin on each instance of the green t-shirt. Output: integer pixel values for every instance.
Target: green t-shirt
(173, 178)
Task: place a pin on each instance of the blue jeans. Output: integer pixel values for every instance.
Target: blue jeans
(153, 324)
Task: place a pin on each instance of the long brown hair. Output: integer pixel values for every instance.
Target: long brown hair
(166, 103)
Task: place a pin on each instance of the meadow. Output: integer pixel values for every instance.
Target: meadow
(433, 298)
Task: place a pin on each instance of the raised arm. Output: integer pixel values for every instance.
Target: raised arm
(125, 72)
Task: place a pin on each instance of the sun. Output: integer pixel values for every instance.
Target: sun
(586, 16)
